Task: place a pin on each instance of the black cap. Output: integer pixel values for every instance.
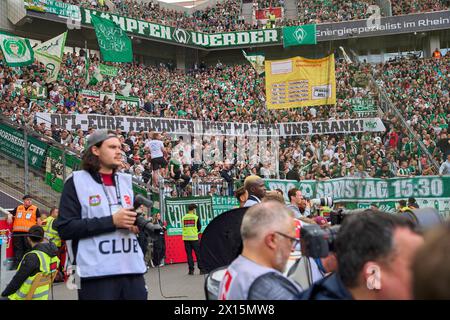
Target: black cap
(192, 206)
(36, 231)
(27, 196)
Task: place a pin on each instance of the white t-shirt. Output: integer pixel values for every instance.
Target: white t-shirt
(155, 147)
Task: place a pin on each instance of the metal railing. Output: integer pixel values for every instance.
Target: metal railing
(388, 106)
(21, 172)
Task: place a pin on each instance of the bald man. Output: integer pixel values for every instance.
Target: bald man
(268, 235)
(256, 190)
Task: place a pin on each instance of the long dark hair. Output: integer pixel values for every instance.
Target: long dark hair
(90, 161)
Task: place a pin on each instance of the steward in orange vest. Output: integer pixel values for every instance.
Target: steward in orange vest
(25, 216)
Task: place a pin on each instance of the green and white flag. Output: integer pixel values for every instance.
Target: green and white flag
(50, 53)
(114, 43)
(108, 70)
(96, 77)
(256, 60)
(299, 35)
(17, 51)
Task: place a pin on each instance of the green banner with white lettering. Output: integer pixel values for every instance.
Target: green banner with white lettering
(115, 45)
(56, 7)
(12, 144)
(431, 191)
(108, 70)
(363, 107)
(176, 208)
(223, 203)
(299, 35)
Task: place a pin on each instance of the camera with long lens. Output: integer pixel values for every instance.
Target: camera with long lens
(151, 229)
(317, 242)
(325, 201)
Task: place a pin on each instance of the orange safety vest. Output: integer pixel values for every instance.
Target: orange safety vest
(437, 54)
(25, 218)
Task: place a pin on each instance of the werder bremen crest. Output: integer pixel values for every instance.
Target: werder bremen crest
(181, 36)
(17, 51)
(300, 34)
(14, 48)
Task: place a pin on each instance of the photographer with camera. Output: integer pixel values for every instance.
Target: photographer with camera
(268, 235)
(374, 252)
(98, 220)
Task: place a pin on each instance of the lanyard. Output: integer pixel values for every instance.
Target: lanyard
(116, 187)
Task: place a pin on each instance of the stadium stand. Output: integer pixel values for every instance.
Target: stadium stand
(226, 16)
(236, 94)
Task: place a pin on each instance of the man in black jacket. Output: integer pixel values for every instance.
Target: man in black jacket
(374, 251)
(228, 177)
(98, 221)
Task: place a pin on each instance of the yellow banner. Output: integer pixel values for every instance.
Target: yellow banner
(300, 82)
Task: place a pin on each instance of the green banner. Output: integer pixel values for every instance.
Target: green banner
(176, 208)
(54, 168)
(55, 7)
(299, 35)
(12, 143)
(223, 203)
(129, 100)
(428, 190)
(363, 107)
(355, 189)
(90, 94)
(115, 45)
(186, 37)
(108, 70)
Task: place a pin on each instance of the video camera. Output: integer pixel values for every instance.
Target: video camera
(151, 229)
(317, 242)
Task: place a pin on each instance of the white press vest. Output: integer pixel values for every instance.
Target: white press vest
(239, 276)
(111, 253)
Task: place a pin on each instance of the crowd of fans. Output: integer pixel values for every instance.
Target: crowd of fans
(413, 6)
(317, 11)
(235, 93)
(420, 90)
(226, 16)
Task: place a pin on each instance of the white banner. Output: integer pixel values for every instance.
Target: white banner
(179, 126)
(50, 53)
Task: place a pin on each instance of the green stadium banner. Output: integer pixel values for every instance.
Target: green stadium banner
(363, 107)
(186, 37)
(56, 7)
(54, 168)
(115, 45)
(176, 208)
(108, 70)
(432, 191)
(299, 35)
(12, 144)
(223, 203)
